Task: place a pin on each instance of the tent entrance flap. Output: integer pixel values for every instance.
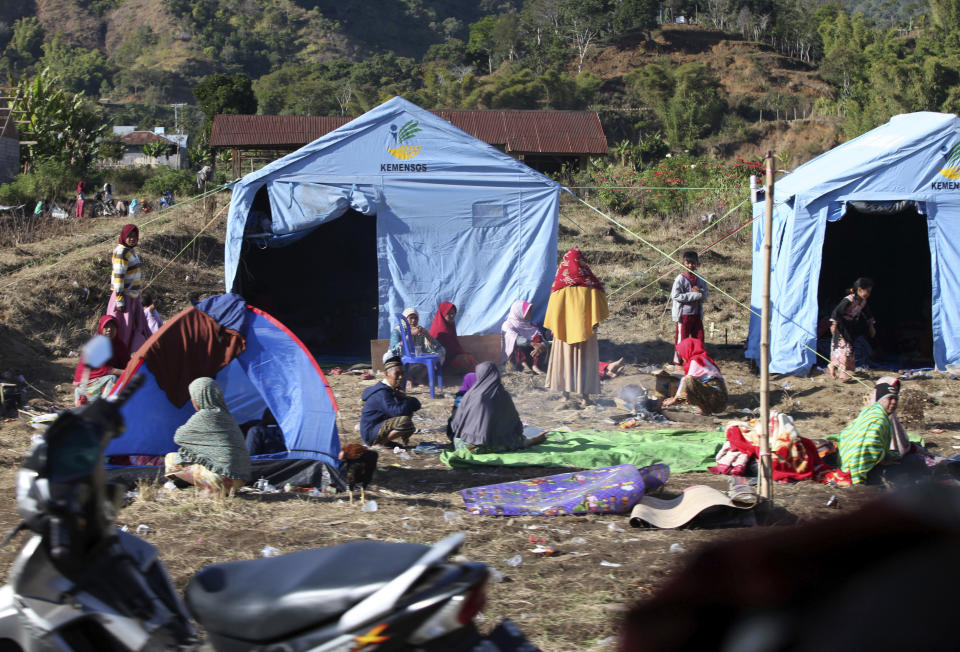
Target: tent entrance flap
(893, 249)
(324, 286)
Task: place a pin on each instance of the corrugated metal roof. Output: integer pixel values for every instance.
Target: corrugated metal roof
(136, 138)
(271, 130)
(542, 132)
(534, 132)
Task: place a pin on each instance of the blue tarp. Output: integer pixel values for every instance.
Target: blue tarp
(457, 220)
(914, 157)
(274, 370)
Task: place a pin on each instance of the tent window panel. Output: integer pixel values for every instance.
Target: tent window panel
(488, 214)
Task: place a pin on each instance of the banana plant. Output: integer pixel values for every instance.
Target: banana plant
(155, 150)
(58, 125)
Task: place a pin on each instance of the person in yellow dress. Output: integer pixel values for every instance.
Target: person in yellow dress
(576, 307)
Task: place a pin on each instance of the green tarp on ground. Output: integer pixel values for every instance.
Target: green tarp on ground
(682, 450)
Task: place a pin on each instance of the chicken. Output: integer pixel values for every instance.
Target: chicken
(359, 465)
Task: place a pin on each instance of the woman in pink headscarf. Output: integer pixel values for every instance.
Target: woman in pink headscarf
(521, 341)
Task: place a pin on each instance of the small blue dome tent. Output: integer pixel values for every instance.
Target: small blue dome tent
(898, 187)
(396, 208)
(258, 363)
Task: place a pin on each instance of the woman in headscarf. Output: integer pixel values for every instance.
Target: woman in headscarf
(124, 304)
(101, 380)
(702, 384)
(521, 341)
(487, 420)
(899, 441)
(911, 455)
(522, 344)
(444, 330)
(577, 306)
(469, 381)
(865, 445)
(213, 455)
(416, 373)
(850, 320)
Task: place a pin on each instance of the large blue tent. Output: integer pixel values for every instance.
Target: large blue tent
(455, 220)
(912, 160)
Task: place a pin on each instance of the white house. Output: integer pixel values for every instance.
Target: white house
(134, 140)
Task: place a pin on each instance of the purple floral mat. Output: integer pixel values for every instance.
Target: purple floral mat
(610, 490)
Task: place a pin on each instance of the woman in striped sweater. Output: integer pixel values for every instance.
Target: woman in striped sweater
(124, 303)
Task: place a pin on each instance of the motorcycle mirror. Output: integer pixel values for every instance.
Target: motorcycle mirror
(97, 351)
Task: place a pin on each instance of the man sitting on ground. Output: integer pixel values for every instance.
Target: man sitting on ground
(387, 414)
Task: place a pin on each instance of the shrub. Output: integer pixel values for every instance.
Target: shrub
(48, 180)
(126, 181)
(183, 183)
(649, 192)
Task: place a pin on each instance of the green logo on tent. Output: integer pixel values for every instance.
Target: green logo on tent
(952, 169)
(401, 150)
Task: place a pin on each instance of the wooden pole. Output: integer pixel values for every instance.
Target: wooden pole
(765, 467)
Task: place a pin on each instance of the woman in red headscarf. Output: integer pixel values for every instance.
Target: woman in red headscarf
(577, 306)
(102, 379)
(132, 327)
(702, 384)
(444, 330)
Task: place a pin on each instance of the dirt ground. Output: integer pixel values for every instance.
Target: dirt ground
(566, 602)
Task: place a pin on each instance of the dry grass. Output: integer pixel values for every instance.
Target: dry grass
(568, 602)
(23, 227)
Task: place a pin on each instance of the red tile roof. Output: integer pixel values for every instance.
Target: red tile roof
(533, 132)
(137, 138)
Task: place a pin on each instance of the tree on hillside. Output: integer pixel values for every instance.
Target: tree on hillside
(543, 19)
(566, 92)
(945, 14)
(687, 100)
(696, 107)
(636, 14)
(585, 20)
(506, 36)
(79, 69)
(651, 86)
(221, 93)
(513, 87)
(481, 45)
(719, 12)
(24, 48)
(541, 23)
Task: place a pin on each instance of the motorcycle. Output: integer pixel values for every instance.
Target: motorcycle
(104, 206)
(79, 583)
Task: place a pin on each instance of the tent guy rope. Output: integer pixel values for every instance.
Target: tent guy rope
(713, 285)
(192, 240)
(67, 254)
(674, 252)
(699, 251)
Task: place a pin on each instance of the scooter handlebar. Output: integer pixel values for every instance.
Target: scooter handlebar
(132, 386)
